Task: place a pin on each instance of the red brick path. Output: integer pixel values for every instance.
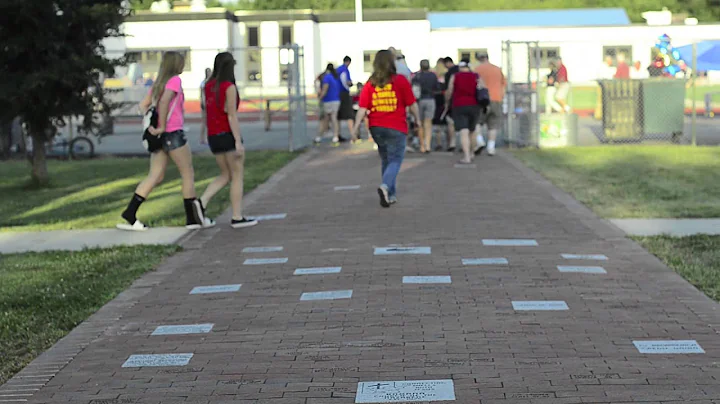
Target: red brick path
(269, 347)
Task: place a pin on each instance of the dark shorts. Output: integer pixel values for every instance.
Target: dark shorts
(492, 117)
(173, 140)
(346, 110)
(222, 143)
(465, 117)
(168, 141)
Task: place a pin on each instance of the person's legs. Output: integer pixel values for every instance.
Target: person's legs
(465, 144)
(322, 127)
(428, 132)
(451, 139)
(552, 94)
(158, 165)
(236, 163)
(353, 136)
(335, 127)
(395, 155)
(561, 96)
(182, 157)
(494, 120)
(219, 182)
(549, 98)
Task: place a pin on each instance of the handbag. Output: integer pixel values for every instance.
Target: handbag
(482, 95)
(152, 143)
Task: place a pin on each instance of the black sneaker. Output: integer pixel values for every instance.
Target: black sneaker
(244, 222)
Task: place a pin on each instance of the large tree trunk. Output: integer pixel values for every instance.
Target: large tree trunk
(38, 160)
(5, 138)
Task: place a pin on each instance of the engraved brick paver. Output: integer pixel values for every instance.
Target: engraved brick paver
(268, 346)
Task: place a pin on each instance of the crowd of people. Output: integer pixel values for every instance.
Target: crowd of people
(397, 105)
(430, 88)
(164, 138)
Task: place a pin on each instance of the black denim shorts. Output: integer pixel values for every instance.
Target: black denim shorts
(221, 143)
(173, 140)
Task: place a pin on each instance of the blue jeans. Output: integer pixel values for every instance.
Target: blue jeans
(391, 147)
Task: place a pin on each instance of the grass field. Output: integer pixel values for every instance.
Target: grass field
(666, 181)
(696, 258)
(91, 194)
(43, 296)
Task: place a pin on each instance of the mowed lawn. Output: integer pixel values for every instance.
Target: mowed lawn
(43, 296)
(585, 97)
(93, 193)
(695, 258)
(637, 181)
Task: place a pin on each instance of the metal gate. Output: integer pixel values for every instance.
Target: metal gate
(291, 56)
(521, 65)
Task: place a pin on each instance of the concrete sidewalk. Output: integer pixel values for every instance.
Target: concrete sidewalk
(482, 285)
(75, 240)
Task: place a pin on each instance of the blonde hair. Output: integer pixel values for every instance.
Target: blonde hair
(172, 64)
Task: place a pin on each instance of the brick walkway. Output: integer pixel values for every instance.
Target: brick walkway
(268, 346)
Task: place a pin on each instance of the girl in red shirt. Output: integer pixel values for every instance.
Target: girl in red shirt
(384, 100)
(223, 129)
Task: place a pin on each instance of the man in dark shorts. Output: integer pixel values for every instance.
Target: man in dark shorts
(346, 111)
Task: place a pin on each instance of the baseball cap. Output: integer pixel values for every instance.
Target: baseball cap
(463, 64)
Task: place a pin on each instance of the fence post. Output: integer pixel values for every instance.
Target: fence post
(693, 75)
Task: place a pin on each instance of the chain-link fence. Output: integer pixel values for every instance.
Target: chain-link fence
(588, 93)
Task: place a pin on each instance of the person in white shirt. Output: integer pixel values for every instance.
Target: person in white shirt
(400, 64)
(637, 71)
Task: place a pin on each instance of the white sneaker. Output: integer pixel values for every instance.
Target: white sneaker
(137, 226)
(318, 139)
(491, 151)
(208, 223)
(336, 139)
(479, 146)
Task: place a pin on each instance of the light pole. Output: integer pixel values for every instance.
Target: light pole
(358, 11)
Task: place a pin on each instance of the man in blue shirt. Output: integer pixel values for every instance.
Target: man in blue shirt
(330, 97)
(346, 112)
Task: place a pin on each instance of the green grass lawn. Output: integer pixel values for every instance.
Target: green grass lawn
(43, 296)
(695, 258)
(585, 98)
(93, 193)
(637, 181)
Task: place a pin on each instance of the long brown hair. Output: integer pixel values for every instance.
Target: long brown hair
(383, 68)
(223, 70)
(172, 64)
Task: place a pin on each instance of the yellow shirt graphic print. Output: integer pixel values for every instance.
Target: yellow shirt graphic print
(384, 99)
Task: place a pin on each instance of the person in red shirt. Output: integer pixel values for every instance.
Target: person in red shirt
(461, 96)
(563, 85)
(385, 99)
(223, 129)
(622, 71)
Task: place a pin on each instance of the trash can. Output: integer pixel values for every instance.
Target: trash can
(558, 130)
(622, 110)
(663, 107)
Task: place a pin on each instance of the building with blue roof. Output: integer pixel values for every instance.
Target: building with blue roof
(581, 37)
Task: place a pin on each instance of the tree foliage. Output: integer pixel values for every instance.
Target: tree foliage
(52, 62)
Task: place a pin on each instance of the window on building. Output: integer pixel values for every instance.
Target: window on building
(470, 54)
(150, 59)
(286, 35)
(253, 65)
(614, 51)
(540, 57)
(286, 38)
(253, 36)
(368, 57)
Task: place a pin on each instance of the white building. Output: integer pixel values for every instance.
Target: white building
(581, 37)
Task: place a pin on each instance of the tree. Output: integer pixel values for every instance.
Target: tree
(52, 63)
